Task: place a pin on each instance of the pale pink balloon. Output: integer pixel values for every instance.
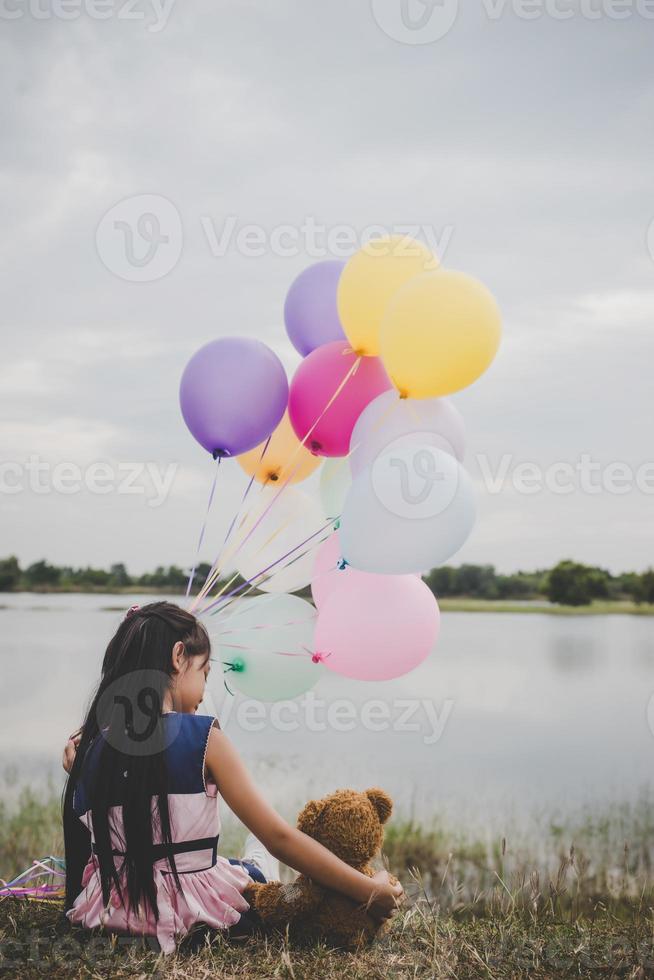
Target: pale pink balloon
(316, 382)
(382, 629)
(329, 573)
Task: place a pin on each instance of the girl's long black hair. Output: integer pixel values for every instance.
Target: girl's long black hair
(131, 761)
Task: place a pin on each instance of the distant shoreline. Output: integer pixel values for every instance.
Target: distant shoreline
(94, 590)
(600, 607)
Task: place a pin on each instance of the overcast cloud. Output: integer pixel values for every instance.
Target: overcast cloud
(523, 146)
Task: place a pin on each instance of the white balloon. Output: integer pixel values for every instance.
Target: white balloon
(335, 481)
(268, 641)
(423, 421)
(408, 512)
(293, 517)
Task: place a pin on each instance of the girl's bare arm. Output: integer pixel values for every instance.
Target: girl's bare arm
(286, 843)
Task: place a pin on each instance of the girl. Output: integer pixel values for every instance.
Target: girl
(141, 820)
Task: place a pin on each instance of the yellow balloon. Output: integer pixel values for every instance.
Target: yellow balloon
(284, 459)
(369, 280)
(440, 333)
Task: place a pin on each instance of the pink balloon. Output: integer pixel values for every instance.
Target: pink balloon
(382, 629)
(316, 382)
(329, 574)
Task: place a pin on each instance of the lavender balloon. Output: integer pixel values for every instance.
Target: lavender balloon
(310, 310)
(233, 393)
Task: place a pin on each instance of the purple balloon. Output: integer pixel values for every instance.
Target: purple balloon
(310, 311)
(233, 393)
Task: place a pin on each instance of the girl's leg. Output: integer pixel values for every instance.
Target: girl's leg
(255, 853)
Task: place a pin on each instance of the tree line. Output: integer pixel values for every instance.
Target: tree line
(42, 576)
(568, 583)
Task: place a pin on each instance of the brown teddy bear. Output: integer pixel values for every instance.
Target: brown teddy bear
(351, 825)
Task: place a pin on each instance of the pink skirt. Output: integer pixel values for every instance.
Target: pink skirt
(212, 897)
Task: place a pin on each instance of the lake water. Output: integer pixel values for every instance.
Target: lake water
(511, 713)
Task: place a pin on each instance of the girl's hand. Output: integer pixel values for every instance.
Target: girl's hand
(70, 750)
(386, 898)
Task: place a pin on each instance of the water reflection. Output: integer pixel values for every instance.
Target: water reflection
(574, 653)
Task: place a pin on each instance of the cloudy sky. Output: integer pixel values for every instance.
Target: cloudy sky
(516, 137)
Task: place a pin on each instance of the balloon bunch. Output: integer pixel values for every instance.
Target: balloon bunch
(385, 338)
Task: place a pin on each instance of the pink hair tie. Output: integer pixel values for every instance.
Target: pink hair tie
(131, 611)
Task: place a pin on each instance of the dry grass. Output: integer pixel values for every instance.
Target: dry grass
(423, 942)
(573, 900)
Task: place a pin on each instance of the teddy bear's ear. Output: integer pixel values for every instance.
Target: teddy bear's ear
(308, 815)
(382, 803)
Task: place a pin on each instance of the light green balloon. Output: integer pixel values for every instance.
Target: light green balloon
(335, 481)
(269, 639)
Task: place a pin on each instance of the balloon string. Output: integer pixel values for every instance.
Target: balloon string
(240, 544)
(276, 653)
(204, 527)
(226, 618)
(350, 373)
(297, 557)
(229, 666)
(251, 581)
(266, 626)
(302, 554)
(257, 585)
(261, 547)
(33, 870)
(20, 885)
(211, 577)
(234, 552)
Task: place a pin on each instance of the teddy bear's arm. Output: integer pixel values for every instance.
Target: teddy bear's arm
(279, 904)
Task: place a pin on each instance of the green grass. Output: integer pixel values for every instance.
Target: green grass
(29, 828)
(600, 607)
(560, 898)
